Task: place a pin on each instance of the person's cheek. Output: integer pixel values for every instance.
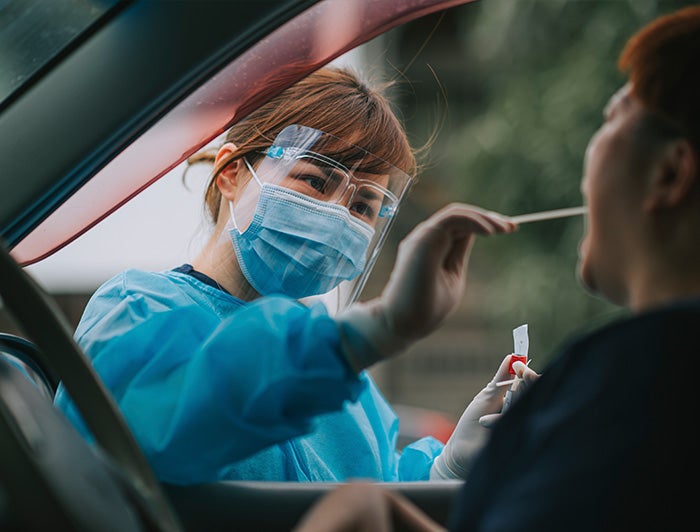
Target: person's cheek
(583, 269)
(587, 243)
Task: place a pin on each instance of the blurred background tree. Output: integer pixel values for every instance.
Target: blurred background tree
(516, 89)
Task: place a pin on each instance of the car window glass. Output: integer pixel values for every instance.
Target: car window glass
(523, 87)
(208, 111)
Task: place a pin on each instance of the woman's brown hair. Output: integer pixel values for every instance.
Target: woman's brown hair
(333, 100)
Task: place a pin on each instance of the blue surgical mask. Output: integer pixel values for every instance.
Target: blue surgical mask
(299, 246)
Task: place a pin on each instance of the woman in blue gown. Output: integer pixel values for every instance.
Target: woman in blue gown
(235, 365)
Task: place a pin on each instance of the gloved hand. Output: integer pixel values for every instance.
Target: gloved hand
(425, 286)
(471, 432)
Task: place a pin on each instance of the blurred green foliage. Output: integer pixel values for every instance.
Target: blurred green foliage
(520, 86)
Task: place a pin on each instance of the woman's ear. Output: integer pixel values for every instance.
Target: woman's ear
(675, 177)
(228, 178)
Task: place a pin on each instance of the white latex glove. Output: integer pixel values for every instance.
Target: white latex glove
(526, 377)
(426, 284)
(472, 430)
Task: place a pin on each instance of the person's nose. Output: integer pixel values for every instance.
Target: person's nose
(347, 195)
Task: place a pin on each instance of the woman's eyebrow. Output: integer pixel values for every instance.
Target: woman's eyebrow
(369, 194)
(327, 170)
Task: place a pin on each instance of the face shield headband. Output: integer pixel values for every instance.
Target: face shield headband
(331, 174)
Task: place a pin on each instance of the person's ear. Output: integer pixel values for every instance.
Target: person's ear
(674, 178)
(228, 178)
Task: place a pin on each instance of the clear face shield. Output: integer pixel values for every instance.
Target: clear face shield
(312, 220)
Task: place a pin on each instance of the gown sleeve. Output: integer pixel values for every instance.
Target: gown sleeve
(199, 391)
(417, 458)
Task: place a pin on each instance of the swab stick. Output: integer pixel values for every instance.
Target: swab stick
(548, 215)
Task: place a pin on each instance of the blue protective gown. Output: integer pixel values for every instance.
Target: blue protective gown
(216, 388)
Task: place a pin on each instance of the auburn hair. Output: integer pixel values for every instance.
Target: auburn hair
(333, 100)
(661, 61)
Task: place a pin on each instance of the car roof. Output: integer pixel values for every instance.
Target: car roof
(146, 86)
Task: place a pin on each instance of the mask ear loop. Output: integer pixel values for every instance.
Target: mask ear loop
(230, 203)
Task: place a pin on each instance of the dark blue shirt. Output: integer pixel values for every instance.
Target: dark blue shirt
(189, 270)
(604, 440)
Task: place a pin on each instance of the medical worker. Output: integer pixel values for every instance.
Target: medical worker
(606, 439)
(219, 367)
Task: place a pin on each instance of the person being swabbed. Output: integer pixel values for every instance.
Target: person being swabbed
(605, 439)
(224, 368)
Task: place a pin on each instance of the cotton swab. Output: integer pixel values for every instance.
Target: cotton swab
(548, 215)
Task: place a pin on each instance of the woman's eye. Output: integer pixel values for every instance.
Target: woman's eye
(363, 210)
(314, 181)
